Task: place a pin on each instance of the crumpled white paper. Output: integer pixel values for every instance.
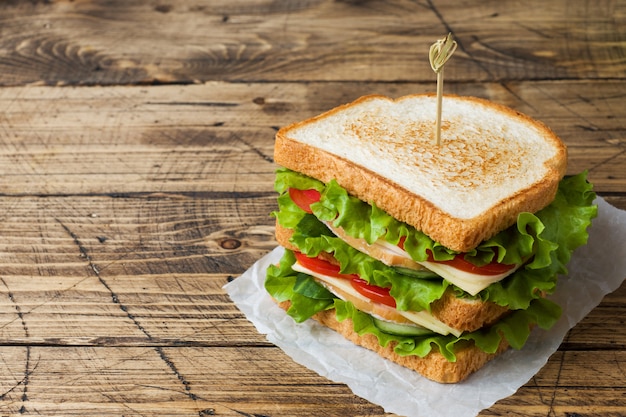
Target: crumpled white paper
(594, 271)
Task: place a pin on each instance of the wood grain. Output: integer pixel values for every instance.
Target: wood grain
(126, 209)
(186, 381)
(136, 179)
(206, 138)
(85, 42)
(119, 334)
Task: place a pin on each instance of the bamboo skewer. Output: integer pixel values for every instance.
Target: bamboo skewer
(438, 55)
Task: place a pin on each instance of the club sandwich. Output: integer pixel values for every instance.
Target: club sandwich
(436, 256)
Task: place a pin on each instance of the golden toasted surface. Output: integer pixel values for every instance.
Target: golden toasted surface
(459, 194)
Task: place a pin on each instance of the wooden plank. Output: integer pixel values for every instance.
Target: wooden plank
(218, 137)
(155, 310)
(78, 271)
(168, 382)
(561, 389)
(126, 208)
(76, 236)
(234, 381)
(149, 272)
(142, 42)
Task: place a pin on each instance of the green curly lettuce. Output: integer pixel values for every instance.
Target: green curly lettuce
(308, 298)
(547, 237)
(549, 248)
(512, 246)
(410, 293)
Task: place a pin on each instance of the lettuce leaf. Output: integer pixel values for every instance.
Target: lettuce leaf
(562, 224)
(307, 296)
(411, 294)
(546, 239)
(285, 284)
(515, 328)
(549, 247)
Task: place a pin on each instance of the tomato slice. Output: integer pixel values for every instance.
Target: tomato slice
(304, 198)
(459, 262)
(373, 292)
(321, 266)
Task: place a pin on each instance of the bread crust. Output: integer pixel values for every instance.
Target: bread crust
(466, 315)
(433, 366)
(455, 233)
(458, 313)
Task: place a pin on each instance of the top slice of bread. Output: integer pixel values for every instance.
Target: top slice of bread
(492, 164)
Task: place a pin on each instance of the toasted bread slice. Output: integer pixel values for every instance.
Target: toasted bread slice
(492, 164)
(433, 366)
(459, 313)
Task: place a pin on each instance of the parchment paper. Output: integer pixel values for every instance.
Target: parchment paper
(594, 271)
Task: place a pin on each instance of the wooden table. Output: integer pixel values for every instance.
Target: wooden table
(136, 178)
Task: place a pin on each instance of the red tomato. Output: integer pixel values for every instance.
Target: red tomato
(304, 198)
(459, 262)
(373, 292)
(322, 266)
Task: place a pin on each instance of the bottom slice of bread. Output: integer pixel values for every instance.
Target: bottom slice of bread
(433, 366)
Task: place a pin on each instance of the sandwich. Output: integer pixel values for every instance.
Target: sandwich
(436, 256)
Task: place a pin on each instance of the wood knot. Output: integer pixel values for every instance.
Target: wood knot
(163, 8)
(230, 244)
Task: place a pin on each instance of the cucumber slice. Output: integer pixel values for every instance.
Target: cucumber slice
(400, 329)
(422, 273)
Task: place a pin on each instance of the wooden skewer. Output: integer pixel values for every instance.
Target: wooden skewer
(438, 55)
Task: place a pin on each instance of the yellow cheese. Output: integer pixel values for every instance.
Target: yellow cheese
(421, 318)
(396, 256)
(468, 282)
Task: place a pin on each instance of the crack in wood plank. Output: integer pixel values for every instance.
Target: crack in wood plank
(177, 373)
(24, 381)
(557, 382)
(18, 309)
(114, 297)
(607, 160)
(27, 373)
(253, 148)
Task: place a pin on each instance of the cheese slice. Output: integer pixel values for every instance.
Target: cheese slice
(395, 256)
(421, 318)
(468, 282)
